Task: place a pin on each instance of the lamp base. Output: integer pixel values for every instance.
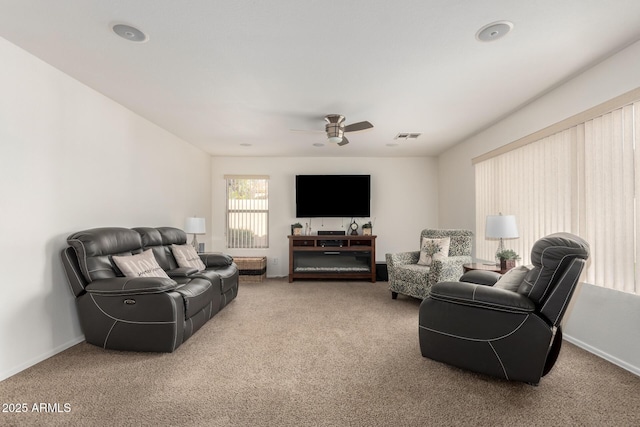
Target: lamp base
(194, 243)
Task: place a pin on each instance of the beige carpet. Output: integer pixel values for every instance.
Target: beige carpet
(312, 353)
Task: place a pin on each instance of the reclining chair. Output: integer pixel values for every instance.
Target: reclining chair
(511, 334)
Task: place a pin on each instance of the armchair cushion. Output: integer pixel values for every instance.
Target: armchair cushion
(140, 265)
(432, 248)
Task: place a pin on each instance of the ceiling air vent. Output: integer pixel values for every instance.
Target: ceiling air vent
(407, 135)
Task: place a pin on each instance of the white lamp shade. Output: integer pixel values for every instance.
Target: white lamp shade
(195, 225)
(501, 227)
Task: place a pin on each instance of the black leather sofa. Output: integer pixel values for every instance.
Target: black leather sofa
(143, 313)
(514, 334)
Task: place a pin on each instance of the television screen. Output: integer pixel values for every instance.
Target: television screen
(333, 196)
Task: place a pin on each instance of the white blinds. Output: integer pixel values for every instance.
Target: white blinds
(582, 180)
(247, 212)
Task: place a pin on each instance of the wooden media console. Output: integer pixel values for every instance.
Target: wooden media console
(332, 257)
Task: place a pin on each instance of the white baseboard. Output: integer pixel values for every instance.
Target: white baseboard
(621, 363)
(35, 360)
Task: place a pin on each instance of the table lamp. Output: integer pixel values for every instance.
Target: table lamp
(501, 227)
(195, 226)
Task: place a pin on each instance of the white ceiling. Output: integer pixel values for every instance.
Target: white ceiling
(223, 73)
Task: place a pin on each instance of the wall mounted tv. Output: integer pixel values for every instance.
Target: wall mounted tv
(333, 196)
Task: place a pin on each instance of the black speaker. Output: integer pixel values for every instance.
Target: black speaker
(382, 275)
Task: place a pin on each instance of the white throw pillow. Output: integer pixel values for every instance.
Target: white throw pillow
(141, 265)
(512, 279)
(433, 248)
(186, 256)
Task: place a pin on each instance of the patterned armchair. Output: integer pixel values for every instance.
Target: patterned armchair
(407, 277)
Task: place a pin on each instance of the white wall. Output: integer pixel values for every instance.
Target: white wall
(618, 339)
(403, 200)
(72, 159)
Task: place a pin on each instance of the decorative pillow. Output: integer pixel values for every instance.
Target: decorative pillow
(141, 265)
(512, 279)
(186, 256)
(433, 248)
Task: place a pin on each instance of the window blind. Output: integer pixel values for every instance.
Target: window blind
(247, 212)
(583, 180)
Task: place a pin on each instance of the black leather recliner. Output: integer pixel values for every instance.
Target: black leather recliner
(143, 313)
(515, 335)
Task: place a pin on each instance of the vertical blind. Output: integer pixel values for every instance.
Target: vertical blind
(247, 211)
(583, 180)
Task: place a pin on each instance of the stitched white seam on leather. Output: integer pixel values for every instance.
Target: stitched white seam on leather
(86, 267)
(499, 307)
(126, 321)
(566, 299)
(109, 333)
(175, 316)
(477, 339)
(554, 271)
(129, 292)
(74, 273)
(499, 360)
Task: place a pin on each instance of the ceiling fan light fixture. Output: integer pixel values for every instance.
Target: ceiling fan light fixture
(335, 132)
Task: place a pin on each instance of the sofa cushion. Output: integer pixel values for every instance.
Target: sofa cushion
(186, 256)
(431, 248)
(140, 265)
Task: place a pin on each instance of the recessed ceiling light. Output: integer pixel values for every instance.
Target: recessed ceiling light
(130, 33)
(318, 144)
(245, 144)
(494, 31)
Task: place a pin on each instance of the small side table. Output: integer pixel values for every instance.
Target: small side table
(482, 266)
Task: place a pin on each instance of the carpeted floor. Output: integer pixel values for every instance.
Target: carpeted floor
(312, 353)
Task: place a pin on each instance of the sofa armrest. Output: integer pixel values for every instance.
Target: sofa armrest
(216, 259)
(473, 295)
(131, 286)
(182, 272)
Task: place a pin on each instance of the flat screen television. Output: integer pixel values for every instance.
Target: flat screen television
(333, 196)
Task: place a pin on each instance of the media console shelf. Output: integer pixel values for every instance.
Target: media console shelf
(332, 257)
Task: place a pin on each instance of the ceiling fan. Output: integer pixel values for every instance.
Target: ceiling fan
(335, 128)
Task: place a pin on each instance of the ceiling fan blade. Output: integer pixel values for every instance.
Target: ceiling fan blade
(358, 126)
(344, 141)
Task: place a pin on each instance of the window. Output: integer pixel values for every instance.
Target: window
(583, 180)
(247, 211)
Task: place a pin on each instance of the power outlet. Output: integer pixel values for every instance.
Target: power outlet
(274, 261)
